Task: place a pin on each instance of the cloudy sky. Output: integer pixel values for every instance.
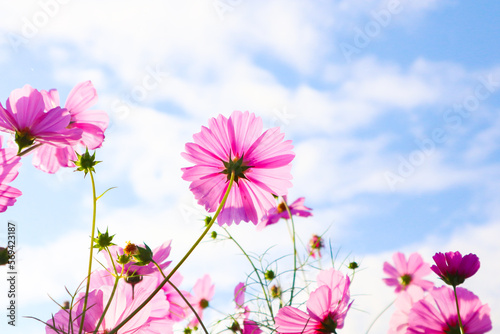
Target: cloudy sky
(392, 107)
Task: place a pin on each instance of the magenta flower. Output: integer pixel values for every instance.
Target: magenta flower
(453, 269)
(315, 245)
(9, 165)
(260, 162)
(297, 208)
(92, 124)
(406, 273)
(160, 254)
(203, 292)
(152, 319)
(437, 313)
(25, 117)
(327, 307)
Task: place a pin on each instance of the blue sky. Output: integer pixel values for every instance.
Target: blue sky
(423, 72)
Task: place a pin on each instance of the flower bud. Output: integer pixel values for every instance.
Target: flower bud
(270, 275)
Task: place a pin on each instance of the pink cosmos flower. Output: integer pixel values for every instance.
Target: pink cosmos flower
(406, 273)
(327, 307)
(203, 292)
(437, 313)
(92, 124)
(315, 245)
(25, 116)
(260, 161)
(160, 254)
(9, 165)
(152, 319)
(404, 302)
(453, 269)
(297, 208)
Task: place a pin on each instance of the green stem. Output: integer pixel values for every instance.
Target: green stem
(165, 280)
(294, 251)
(117, 278)
(268, 301)
(94, 196)
(183, 298)
(458, 311)
(28, 150)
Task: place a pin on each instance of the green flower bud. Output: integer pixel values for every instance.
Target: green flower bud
(270, 275)
(103, 240)
(144, 256)
(86, 162)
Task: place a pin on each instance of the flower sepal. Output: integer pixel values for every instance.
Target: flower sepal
(86, 162)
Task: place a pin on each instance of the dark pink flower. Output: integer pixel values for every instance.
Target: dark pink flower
(260, 161)
(160, 255)
(315, 245)
(297, 208)
(203, 292)
(9, 165)
(405, 273)
(92, 124)
(327, 307)
(152, 319)
(453, 269)
(25, 116)
(437, 313)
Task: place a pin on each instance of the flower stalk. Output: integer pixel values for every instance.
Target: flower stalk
(165, 280)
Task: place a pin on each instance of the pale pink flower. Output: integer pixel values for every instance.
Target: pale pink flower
(297, 208)
(160, 255)
(437, 313)
(203, 292)
(404, 302)
(92, 123)
(26, 118)
(405, 273)
(327, 307)
(152, 319)
(453, 269)
(9, 165)
(260, 161)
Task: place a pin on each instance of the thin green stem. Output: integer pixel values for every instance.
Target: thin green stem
(165, 280)
(117, 278)
(28, 150)
(268, 301)
(458, 311)
(379, 315)
(294, 251)
(183, 298)
(94, 197)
